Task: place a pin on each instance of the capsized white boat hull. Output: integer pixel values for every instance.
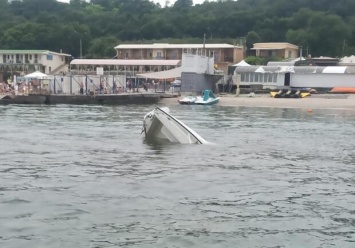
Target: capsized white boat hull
(187, 100)
(209, 101)
(159, 124)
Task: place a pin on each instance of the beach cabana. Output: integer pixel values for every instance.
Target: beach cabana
(36, 75)
(39, 81)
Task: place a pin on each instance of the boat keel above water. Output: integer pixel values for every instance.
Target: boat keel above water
(159, 124)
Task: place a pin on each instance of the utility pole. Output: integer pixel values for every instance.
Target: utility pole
(204, 47)
(81, 49)
(300, 53)
(80, 43)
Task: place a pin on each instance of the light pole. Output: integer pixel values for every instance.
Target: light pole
(81, 49)
(80, 43)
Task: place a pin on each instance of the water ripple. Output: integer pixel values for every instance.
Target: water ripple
(81, 176)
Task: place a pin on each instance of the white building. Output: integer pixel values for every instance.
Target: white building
(22, 62)
(319, 77)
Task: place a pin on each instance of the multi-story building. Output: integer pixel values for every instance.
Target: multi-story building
(224, 54)
(21, 62)
(276, 49)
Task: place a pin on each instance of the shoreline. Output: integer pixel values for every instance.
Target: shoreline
(316, 101)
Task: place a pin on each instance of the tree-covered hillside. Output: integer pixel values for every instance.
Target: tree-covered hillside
(321, 27)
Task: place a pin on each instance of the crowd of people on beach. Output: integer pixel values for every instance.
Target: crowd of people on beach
(6, 89)
(20, 88)
(130, 87)
(103, 87)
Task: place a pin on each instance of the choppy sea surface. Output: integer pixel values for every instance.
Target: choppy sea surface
(82, 176)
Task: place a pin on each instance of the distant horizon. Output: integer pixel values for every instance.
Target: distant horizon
(161, 2)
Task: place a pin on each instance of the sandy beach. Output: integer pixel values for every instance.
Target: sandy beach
(316, 101)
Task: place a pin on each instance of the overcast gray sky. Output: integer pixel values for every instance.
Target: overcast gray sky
(162, 2)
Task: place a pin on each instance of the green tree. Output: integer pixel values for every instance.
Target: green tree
(183, 4)
(251, 38)
(103, 47)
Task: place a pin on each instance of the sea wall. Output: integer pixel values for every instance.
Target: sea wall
(120, 99)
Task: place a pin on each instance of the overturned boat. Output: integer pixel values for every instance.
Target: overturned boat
(188, 100)
(159, 124)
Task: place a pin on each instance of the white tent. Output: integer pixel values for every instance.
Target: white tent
(260, 70)
(334, 69)
(36, 75)
(173, 73)
(242, 63)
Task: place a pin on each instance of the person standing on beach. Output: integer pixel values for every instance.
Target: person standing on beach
(81, 88)
(129, 86)
(114, 87)
(101, 86)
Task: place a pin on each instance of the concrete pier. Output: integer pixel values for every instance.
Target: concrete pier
(119, 99)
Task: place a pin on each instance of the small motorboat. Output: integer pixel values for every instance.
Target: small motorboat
(187, 100)
(159, 124)
(207, 98)
(343, 90)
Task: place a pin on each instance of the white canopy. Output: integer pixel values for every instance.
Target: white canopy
(260, 70)
(37, 75)
(334, 69)
(242, 63)
(173, 73)
(285, 69)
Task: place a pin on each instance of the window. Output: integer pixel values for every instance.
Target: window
(49, 57)
(174, 55)
(50, 69)
(270, 78)
(242, 77)
(289, 54)
(256, 77)
(275, 78)
(246, 77)
(272, 53)
(265, 77)
(159, 55)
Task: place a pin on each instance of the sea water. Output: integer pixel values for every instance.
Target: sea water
(81, 176)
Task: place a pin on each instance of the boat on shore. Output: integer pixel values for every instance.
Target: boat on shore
(343, 90)
(159, 124)
(187, 100)
(207, 98)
